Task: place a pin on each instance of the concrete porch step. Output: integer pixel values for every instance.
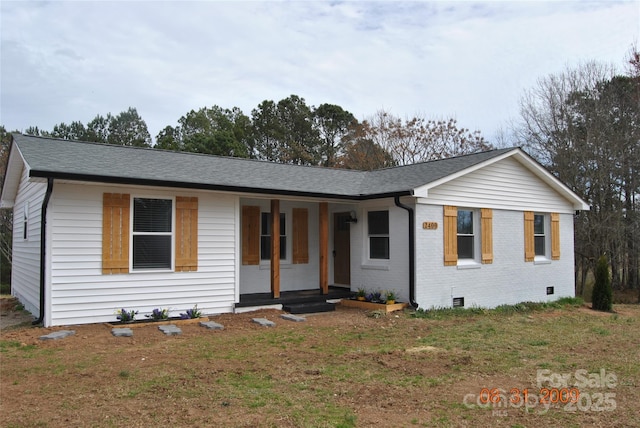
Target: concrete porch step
(309, 307)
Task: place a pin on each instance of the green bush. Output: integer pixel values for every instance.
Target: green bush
(602, 297)
(5, 288)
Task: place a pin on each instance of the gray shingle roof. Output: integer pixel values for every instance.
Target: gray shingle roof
(64, 159)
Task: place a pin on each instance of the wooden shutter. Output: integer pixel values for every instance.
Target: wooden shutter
(529, 242)
(450, 231)
(555, 236)
(115, 232)
(486, 218)
(250, 235)
(186, 234)
(300, 235)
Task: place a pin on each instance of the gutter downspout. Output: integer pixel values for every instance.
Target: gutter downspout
(43, 242)
(412, 252)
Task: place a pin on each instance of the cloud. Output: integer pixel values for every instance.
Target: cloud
(65, 61)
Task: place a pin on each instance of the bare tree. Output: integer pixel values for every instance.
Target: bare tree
(582, 124)
(419, 139)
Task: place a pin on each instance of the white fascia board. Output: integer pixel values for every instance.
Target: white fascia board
(13, 175)
(527, 162)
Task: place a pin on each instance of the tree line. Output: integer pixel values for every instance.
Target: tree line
(288, 131)
(584, 125)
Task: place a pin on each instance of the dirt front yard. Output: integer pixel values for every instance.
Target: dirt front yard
(340, 369)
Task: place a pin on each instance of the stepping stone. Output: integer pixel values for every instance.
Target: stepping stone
(263, 322)
(291, 317)
(170, 329)
(211, 325)
(58, 335)
(122, 332)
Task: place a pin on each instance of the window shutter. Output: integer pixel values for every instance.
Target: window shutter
(450, 236)
(486, 218)
(555, 236)
(115, 232)
(529, 242)
(250, 235)
(300, 235)
(186, 234)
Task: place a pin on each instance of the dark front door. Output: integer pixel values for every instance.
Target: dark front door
(341, 249)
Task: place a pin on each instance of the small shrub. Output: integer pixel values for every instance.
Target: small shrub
(5, 288)
(124, 315)
(602, 297)
(390, 295)
(159, 314)
(191, 313)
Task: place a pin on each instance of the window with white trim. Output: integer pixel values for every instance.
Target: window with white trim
(466, 234)
(152, 233)
(539, 235)
(265, 236)
(378, 232)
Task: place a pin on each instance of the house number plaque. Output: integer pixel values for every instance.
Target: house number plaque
(430, 225)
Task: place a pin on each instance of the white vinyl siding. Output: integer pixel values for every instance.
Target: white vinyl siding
(506, 184)
(293, 276)
(80, 293)
(25, 273)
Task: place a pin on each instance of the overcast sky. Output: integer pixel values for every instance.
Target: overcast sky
(66, 61)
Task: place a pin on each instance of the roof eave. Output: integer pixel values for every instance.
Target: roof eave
(190, 185)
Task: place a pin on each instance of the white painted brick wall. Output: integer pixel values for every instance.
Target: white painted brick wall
(508, 280)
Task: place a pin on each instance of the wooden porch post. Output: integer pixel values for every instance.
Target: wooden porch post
(275, 248)
(324, 247)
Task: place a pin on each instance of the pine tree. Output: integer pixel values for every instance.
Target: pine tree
(602, 296)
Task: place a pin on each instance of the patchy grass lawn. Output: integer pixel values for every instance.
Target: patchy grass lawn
(342, 369)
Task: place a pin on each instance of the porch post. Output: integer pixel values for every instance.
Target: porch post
(324, 247)
(275, 248)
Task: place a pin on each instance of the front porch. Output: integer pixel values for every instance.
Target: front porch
(287, 298)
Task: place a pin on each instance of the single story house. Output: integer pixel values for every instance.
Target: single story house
(101, 227)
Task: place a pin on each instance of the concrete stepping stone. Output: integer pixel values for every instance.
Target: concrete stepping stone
(58, 335)
(122, 332)
(294, 318)
(211, 325)
(263, 322)
(170, 329)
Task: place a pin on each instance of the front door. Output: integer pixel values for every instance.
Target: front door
(341, 249)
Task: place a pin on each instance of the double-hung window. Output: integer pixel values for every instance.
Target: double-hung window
(539, 235)
(378, 231)
(152, 233)
(466, 238)
(265, 236)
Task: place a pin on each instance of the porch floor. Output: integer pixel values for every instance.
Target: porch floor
(292, 297)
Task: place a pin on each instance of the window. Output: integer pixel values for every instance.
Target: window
(265, 237)
(468, 236)
(152, 233)
(466, 240)
(539, 236)
(378, 227)
(458, 302)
